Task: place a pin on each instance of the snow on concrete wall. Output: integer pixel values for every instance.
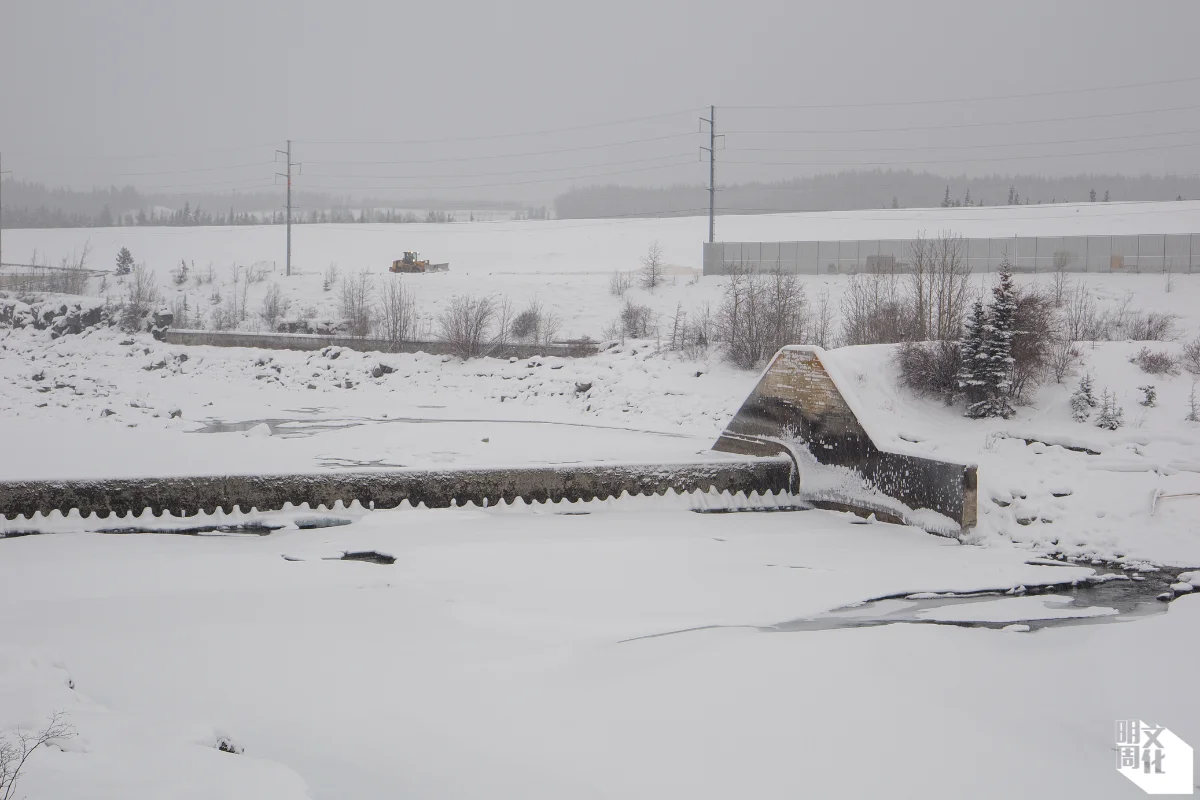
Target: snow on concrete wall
(799, 405)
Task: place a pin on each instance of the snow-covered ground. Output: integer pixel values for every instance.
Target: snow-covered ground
(515, 652)
(501, 656)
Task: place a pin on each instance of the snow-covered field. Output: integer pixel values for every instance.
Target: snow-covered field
(515, 652)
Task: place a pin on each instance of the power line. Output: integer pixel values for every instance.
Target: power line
(174, 171)
(508, 183)
(955, 146)
(77, 156)
(967, 160)
(510, 172)
(516, 135)
(515, 155)
(960, 125)
(951, 100)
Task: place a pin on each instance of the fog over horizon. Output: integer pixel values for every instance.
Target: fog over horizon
(523, 101)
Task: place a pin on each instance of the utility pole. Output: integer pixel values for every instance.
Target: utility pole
(712, 170)
(3, 172)
(288, 154)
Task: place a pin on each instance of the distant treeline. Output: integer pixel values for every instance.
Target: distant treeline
(843, 191)
(33, 205)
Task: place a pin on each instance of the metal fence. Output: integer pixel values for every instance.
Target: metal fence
(1138, 253)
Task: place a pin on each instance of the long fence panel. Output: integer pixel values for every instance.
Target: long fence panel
(1153, 253)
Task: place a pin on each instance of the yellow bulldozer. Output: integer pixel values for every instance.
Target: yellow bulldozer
(412, 262)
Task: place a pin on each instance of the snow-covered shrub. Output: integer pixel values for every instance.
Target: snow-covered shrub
(1080, 316)
(637, 321)
(1155, 363)
(873, 312)
(141, 296)
(1111, 416)
(1193, 414)
(1151, 326)
(397, 315)
(620, 283)
(1064, 357)
(1035, 331)
(760, 314)
(931, 368)
(179, 275)
(1149, 395)
(1190, 358)
(535, 324)
(355, 302)
(274, 305)
(1083, 400)
(466, 324)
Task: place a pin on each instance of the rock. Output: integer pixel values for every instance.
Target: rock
(1016, 628)
(380, 369)
(580, 388)
(1166, 597)
(226, 744)
(108, 412)
(1192, 577)
(261, 429)
(175, 413)
(1181, 587)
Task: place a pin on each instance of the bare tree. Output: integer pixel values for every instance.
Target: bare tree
(355, 303)
(1080, 316)
(939, 287)
(397, 312)
(465, 324)
(141, 295)
(1061, 281)
(274, 305)
(652, 273)
(759, 314)
(17, 747)
(1065, 356)
(619, 283)
(821, 329)
(873, 311)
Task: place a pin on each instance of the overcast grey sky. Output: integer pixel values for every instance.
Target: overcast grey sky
(86, 85)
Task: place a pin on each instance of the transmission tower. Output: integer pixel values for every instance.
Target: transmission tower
(288, 154)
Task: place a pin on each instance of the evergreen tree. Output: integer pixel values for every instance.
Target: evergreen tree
(1092, 196)
(1112, 416)
(1012, 195)
(967, 199)
(995, 357)
(946, 199)
(1106, 195)
(1082, 399)
(970, 347)
(124, 261)
(1149, 395)
(895, 202)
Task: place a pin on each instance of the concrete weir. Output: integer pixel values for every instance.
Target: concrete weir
(802, 408)
(389, 488)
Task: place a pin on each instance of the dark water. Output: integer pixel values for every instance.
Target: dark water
(1132, 594)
